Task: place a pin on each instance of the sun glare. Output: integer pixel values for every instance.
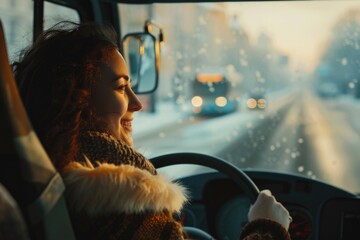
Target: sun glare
(302, 36)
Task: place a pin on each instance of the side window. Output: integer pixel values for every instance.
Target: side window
(54, 13)
(17, 20)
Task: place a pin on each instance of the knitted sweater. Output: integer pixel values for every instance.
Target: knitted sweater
(114, 192)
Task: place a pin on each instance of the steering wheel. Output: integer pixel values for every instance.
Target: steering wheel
(230, 170)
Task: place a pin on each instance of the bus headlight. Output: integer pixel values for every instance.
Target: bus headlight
(197, 101)
(262, 103)
(251, 103)
(220, 101)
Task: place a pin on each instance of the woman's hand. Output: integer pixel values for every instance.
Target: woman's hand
(266, 206)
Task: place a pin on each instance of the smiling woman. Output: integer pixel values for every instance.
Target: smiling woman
(82, 106)
(282, 78)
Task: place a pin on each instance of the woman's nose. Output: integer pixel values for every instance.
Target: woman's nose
(134, 102)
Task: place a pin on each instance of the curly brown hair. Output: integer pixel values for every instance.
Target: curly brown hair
(55, 76)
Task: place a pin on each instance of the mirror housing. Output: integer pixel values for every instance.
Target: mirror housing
(142, 56)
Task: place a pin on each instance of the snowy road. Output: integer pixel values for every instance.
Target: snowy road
(298, 133)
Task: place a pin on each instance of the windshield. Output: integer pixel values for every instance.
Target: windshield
(292, 85)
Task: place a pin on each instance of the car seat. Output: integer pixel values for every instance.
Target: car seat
(26, 170)
(12, 224)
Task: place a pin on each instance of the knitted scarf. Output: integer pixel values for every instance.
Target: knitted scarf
(104, 148)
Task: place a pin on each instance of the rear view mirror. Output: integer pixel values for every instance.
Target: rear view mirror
(141, 53)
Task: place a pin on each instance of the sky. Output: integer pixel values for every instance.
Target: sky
(298, 29)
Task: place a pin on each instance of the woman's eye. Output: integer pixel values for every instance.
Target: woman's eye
(121, 88)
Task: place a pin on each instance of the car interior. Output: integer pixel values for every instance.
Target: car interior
(32, 204)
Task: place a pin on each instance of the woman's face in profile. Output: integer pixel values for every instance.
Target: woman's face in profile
(114, 100)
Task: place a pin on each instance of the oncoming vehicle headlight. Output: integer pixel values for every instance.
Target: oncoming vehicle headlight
(251, 103)
(197, 101)
(220, 101)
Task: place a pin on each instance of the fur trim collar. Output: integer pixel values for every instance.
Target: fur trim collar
(109, 188)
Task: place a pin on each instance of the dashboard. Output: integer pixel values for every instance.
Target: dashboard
(319, 211)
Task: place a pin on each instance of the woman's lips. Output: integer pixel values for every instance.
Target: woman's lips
(127, 125)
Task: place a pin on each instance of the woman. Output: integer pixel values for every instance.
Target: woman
(77, 91)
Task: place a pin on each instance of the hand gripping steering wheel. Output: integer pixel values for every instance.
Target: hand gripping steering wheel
(231, 171)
